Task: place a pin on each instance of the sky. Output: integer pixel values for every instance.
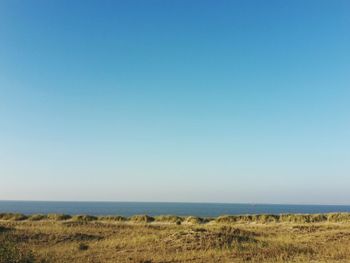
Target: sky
(189, 101)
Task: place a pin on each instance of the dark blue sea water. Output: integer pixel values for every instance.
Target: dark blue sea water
(133, 208)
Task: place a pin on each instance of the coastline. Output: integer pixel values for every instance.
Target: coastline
(163, 208)
(224, 219)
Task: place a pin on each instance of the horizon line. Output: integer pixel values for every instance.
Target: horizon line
(173, 202)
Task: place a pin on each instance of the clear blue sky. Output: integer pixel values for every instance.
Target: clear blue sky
(220, 101)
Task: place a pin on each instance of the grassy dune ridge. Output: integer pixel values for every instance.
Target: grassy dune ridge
(168, 238)
(258, 218)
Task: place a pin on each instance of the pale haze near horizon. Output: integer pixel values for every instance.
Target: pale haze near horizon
(193, 101)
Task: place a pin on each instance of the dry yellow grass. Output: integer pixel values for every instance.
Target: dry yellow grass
(144, 240)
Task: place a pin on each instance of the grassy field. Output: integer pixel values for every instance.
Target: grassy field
(145, 239)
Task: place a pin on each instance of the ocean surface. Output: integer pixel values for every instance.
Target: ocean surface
(153, 208)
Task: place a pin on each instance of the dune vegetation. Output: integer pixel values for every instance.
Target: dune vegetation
(147, 239)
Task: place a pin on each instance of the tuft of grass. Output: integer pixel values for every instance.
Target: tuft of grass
(229, 219)
(13, 216)
(298, 218)
(59, 217)
(316, 218)
(287, 218)
(267, 218)
(226, 219)
(338, 217)
(194, 220)
(112, 218)
(292, 218)
(169, 219)
(141, 219)
(84, 218)
(37, 217)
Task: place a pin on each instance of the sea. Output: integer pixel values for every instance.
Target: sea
(161, 208)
